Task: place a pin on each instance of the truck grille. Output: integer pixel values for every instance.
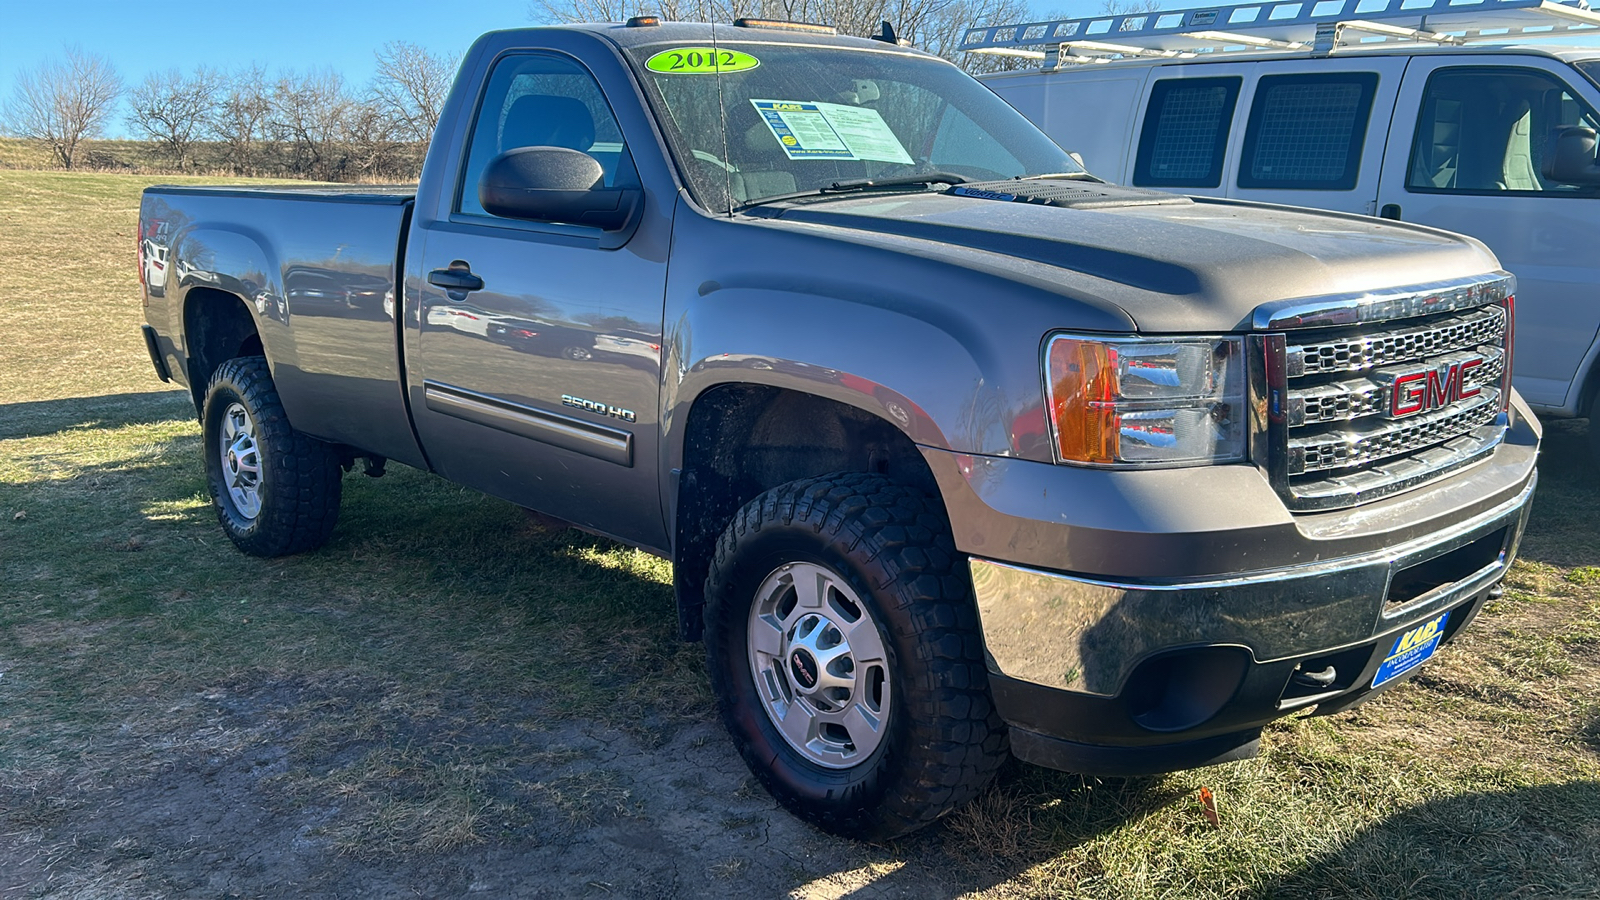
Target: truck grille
(1380, 394)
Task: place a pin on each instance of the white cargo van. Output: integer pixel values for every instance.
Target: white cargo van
(1436, 112)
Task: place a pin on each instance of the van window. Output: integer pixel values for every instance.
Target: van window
(1306, 131)
(536, 100)
(1186, 132)
(1485, 130)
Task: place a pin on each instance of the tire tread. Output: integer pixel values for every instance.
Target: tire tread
(956, 740)
(301, 476)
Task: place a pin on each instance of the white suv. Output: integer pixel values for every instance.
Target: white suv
(1496, 141)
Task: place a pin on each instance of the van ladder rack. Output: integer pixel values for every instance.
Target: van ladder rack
(1318, 26)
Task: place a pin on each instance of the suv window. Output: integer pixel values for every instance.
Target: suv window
(1485, 130)
(1306, 131)
(536, 100)
(1185, 132)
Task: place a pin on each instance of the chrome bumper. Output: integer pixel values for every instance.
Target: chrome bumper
(1086, 636)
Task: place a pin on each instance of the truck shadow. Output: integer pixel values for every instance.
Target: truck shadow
(1469, 845)
(36, 418)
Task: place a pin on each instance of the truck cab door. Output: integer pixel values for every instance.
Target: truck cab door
(1313, 132)
(1465, 154)
(533, 348)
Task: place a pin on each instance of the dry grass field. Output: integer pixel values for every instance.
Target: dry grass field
(449, 699)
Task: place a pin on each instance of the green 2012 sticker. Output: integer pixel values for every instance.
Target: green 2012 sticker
(700, 61)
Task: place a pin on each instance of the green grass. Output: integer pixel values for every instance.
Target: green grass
(446, 675)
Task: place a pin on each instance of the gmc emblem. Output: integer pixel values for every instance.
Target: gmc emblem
(1425, 389)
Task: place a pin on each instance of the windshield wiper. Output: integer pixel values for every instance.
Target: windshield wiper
(863, 184)
(860, 184)
(1065, 176)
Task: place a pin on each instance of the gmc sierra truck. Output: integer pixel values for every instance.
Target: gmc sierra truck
(956, 450)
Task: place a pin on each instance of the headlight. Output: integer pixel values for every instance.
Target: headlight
(1130, 402)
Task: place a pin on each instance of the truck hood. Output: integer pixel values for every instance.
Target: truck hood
(1174, 266)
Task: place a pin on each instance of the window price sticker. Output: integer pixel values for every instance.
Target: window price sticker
(815, 130)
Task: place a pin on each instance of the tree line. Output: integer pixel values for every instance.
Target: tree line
(311, 124)
(316, 125)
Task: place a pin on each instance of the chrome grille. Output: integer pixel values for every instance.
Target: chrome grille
(1398, 345)
(1364, 396)
(1345, 414)
(1339, 449)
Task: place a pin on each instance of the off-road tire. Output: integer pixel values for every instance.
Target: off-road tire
(299, 480)
(942, 740)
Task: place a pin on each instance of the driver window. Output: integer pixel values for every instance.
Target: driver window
(543, 101)
(1486, 130)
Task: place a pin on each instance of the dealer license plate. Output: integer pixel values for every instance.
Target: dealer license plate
(1411, 649)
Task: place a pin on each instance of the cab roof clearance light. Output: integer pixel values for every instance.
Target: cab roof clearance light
(781, 25)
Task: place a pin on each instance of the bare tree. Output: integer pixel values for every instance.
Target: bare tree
(1129, 7)
(175, 110)
(934, 25)
(65, 102)
(410, 88)
(239, 119)
(311, 114)
(374, 145)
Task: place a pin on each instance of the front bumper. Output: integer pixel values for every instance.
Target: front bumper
(1121, 678)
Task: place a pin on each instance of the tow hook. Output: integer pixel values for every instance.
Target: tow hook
(1316, 679)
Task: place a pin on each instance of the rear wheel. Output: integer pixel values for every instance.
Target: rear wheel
(276, 490)
(844, 650)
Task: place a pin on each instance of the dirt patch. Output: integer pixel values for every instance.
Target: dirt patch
(262, 801)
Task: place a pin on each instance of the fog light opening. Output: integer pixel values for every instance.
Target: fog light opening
(1181, 690)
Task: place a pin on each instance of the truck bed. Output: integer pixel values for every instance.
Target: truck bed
(326, 257)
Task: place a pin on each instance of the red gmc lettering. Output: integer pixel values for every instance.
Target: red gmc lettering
(1444, 385)
(1414, 392)
(1409, 394)
(1466, 369)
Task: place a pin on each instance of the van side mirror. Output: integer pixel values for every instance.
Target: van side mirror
(1571, 159)
(555, 184)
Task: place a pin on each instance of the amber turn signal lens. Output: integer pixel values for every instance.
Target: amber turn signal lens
(1082, 391)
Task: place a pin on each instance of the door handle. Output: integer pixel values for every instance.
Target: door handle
(456, 279)
(1390, 211)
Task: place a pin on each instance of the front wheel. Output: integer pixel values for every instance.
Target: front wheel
(276, 490)
(845, 654)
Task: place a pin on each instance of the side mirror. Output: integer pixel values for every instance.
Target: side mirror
(554, 184)
(1571, 159)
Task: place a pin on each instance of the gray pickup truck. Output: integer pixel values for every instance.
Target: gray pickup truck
(956, 451)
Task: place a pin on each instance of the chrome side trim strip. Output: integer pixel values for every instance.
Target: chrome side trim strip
(1396, 303)
(610, 444)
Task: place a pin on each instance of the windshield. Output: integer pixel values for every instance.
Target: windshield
(805, 117)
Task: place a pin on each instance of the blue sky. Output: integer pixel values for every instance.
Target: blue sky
(140, 36)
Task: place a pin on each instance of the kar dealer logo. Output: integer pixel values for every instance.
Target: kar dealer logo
(1424, 389)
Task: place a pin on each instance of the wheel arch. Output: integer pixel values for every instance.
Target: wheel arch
(741, 439)
(228, 291)
(217, 326)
